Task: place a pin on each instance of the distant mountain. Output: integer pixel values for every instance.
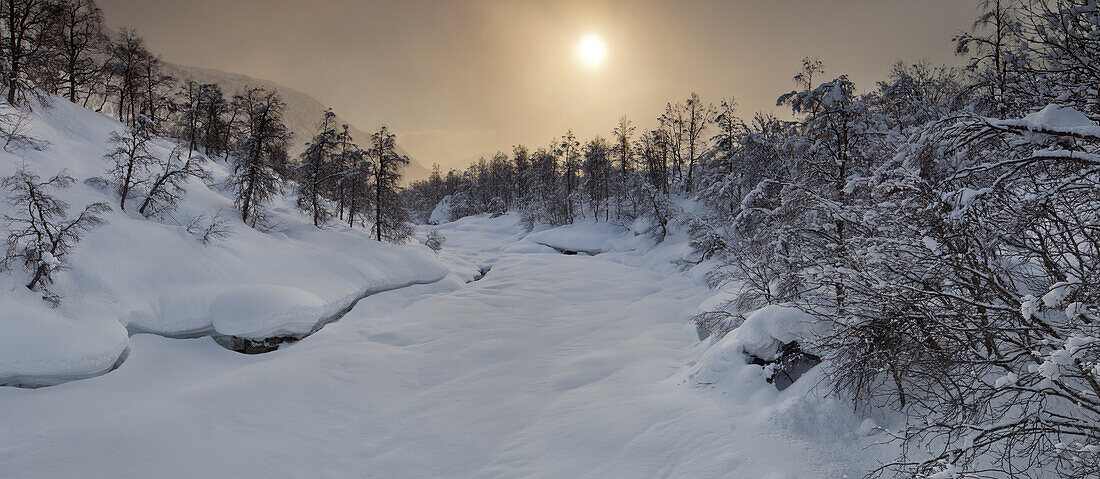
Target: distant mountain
(303, 112)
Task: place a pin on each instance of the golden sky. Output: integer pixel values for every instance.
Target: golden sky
(457, 79)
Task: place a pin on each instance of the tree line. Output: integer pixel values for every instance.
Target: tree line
(942, 224)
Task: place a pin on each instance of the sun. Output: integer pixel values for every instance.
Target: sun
(592, 50)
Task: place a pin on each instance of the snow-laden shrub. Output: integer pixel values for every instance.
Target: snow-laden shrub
(435, 240)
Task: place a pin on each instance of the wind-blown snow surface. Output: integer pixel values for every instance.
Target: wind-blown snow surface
(145, 275)
(551, 366)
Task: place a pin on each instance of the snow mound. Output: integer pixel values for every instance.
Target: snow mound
(767, 329)
(41, 347)
(587, 237)
(528, 247)
(724, 366)
(811, 412)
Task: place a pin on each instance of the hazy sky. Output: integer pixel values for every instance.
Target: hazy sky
(457, 79)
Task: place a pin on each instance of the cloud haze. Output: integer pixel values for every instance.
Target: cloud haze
(460, 78)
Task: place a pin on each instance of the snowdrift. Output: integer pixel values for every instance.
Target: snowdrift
(588, 237)
(138, 275)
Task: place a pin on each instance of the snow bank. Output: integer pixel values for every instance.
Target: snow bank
(40, 347)
(805, 409)
(152, 276)
(261, 311)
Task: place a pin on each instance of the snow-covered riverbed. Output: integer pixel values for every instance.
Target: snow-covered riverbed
(551, 366)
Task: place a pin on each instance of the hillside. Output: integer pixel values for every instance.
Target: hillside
(138, 275)
(302, 110)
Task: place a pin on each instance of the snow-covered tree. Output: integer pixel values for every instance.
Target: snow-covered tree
(260, 154)
(167, 185)
(391, 220)
(216, 118)
(435, 240)
(569, 148)
(132, 158)
(41, 233)
(521, 166)
(696, 118)
(126, 66)
(25, 45)
(188, 115)
(82, 40)
(623, 187)
(317, 169)
(598, 176)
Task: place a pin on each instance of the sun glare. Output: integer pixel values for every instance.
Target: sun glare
(592, 50)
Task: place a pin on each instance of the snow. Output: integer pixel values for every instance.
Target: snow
(146, 275)
(496, 357)
(1074, 310)
(1029, 306)
(529, 372)
(1059, 117)
(948, 472)
(40, 346)
(442, 211)
(1056, 295)
(931, 244)
(247, 311)
(49, 260)
(1007, 380)
(1056, 119)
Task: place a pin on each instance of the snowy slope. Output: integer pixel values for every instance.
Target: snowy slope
(145, 275)
(551, 366)
(303, 112)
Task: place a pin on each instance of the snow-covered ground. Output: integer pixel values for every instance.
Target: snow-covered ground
(551, 365)
(141, 275)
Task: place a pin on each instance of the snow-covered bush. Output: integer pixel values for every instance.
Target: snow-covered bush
(943, 226)
(207, 229)
(497, 207)
(435, 240)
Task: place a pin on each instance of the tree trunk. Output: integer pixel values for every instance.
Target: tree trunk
(378, 201)
(126, 185)
(38, 274)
